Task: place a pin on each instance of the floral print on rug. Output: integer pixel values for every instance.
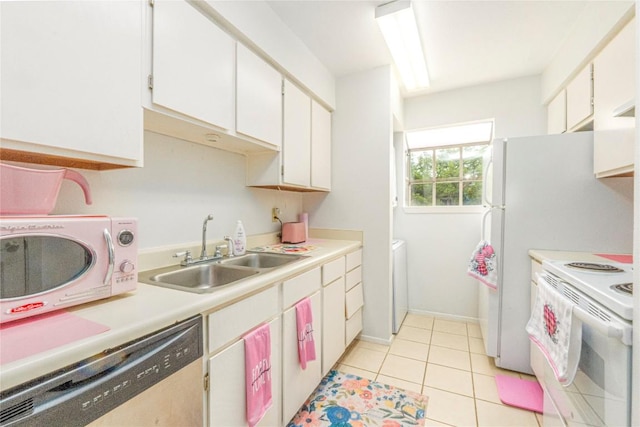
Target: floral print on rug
(343, 400)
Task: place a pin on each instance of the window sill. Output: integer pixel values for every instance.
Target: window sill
(444, 209)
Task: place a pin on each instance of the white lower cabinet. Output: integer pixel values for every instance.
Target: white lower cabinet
(227, 401)
(325, 286)
(333, 320)
(298, 383)
(354, 296)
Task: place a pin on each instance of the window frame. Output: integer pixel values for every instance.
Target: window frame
(458, 208)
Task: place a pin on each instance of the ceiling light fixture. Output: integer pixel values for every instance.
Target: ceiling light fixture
(400, 30)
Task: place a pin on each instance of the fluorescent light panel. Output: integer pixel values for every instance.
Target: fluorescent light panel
(400, 30)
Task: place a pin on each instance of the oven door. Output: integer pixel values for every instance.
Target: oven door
(600, 394)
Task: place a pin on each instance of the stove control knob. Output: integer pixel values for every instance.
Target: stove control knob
(127, 267)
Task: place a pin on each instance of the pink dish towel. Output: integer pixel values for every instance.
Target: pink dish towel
(257, 360)
(483, 265)
(304, 322)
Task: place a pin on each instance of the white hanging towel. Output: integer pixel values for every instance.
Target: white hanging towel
(553, 328)
(483, 265)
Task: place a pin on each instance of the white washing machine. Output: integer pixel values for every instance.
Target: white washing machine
(400, 283)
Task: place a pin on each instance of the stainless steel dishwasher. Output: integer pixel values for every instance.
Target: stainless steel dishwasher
(156, 380)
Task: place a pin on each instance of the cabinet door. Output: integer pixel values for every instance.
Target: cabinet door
(71, 78)
(333, 324)
(298, 383)
(227, 398)
(614, 85)
(193, 64)
(557, 114)
(579, 98)
(297, 136)
(320, 147)
(259, 98)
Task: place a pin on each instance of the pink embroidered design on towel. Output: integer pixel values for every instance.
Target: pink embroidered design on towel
(551, 323)
(304, 324)
(257, 358)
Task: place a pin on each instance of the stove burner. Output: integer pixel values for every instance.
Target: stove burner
(625, 288)
(600, 268)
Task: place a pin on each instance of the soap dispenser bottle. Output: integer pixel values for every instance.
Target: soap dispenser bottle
(239, 240)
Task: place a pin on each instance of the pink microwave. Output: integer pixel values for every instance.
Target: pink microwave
(52, 262)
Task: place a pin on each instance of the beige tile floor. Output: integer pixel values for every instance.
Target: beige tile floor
(444, 360)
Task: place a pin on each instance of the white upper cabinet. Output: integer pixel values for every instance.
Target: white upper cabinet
(297, 136)
(259, 97)
(580, 100)
(557, 114)
(614, 86)
(71, 82)
(304, 164)
(320, 146)
(193, 64)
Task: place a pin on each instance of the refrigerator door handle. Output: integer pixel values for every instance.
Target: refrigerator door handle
(484, 183)
(484, 220)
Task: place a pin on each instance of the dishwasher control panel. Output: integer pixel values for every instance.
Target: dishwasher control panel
(84, 391)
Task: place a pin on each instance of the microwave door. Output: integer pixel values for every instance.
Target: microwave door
(63, 260)
(13, 271)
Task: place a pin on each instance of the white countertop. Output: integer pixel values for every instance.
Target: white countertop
(149, 308)
(546, 255)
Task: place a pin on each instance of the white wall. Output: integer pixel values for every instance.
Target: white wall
(360, 196)
(439, 245)
(180, 184)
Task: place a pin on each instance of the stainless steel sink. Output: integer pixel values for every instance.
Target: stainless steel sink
(209, 275)
(261, 260)
(200, 278)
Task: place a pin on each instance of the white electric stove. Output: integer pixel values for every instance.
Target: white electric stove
(600, 394)
(608, 283)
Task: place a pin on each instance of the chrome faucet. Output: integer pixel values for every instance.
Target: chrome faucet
(203, 252)
(229, 241)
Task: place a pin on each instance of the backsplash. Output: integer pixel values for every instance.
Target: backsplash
(179, 185)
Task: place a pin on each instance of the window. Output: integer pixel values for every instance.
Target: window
(445, 165)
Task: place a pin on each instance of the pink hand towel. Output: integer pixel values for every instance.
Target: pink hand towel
(306, 344)
(257, 359)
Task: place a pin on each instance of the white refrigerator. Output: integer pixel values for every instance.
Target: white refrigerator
(542, 194)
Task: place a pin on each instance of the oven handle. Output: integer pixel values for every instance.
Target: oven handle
(112, 257)
(613, 329)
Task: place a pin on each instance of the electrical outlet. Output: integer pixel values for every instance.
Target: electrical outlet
(275, 214)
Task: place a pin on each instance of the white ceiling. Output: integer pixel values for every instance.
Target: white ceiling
(465, 42)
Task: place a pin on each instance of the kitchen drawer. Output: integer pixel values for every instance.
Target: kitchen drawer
(353, 327)
(354, 277)
(233, 321)
(354, 259)
(354, 301)
(293, 290)
(332, 270)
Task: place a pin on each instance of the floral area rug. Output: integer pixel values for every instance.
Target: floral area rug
(343, 400)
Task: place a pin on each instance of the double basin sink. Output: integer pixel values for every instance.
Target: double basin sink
(207, 276)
